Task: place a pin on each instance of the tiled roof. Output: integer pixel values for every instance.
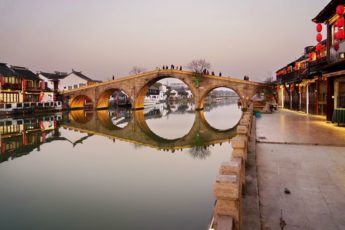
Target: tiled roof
(6, 71)
(328, 11)
(54, 76)
(79, 74)
(25, 73)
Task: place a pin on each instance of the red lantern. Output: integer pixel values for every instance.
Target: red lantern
(341, 34)
(319, 27)
(340, 22)
(318, 47)
(319, 37)
(310, 56)
(318, 56)
(340, 10)
(336, 46)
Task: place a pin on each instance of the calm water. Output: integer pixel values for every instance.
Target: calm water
(114, 169)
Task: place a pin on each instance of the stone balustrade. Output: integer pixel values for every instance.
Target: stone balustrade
(231, 179)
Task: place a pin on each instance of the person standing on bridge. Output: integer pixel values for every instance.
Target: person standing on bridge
(220, 74)
(163, 67)
(212, 73)
(172, 66)
(181, 67)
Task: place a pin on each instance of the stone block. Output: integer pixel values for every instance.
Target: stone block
(238, 142)
(242, 129)
(247, 116)
(223, 223)
(248, 113)
(227, 187)
(244, 122)
(228, 208)
(241, 153)
(236, 166)
(231, 167)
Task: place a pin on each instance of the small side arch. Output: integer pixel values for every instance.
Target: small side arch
(103, 99)
(81, 102)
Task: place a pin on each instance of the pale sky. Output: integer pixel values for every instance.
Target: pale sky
(108, 37)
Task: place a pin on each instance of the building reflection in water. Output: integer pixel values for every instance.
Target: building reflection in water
(20, 136)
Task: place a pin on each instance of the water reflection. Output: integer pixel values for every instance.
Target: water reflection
(108, 170)
(21, 136)
(223, 114)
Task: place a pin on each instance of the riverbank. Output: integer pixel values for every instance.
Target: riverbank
(301, 173)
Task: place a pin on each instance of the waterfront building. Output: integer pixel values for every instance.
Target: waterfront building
(61, 81)
(10, 85)
(315, 82)
(19, 84)
(33, 88)
(332, 67)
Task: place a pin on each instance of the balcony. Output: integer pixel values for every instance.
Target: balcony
(12, 86)
(293, 76)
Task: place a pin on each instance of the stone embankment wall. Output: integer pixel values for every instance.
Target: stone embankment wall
(231, 179)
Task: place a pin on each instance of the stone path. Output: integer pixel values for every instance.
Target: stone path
(313, 174)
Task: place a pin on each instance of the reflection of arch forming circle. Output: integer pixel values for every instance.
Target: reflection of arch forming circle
(80, 116)
(202, 98)
(139, 101)
(204, 120)
(140, 120)
(80, 102)
(103, 100)
(106, 120)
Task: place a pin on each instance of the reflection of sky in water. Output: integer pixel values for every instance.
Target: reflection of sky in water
(170, 126)
(101, 183)
(223, 117)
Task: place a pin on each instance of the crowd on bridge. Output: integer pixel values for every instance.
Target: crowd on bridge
(205, 71)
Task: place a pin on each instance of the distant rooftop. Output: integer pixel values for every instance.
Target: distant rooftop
(81, 75)
(54, 76)
(25, 73)
(6, 71)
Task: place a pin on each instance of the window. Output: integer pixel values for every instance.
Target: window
(75, 86)
(69, 87)
(19, 105)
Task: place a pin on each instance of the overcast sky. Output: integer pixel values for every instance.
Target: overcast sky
(108, 37)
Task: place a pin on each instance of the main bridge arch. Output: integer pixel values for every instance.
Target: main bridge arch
(136, 87)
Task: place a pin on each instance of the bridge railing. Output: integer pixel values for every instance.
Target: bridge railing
(231, 179)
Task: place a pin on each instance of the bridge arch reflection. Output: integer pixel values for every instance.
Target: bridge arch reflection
(137, 131)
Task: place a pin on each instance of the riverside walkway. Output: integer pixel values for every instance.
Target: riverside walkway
(301, 172)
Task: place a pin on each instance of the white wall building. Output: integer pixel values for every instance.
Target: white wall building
(65, 81)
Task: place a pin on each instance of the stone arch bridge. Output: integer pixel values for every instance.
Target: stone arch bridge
(136, 88)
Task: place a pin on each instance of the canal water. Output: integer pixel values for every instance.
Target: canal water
(114, 169)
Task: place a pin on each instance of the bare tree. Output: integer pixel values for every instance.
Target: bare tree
(199, 65)
(137, 70)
